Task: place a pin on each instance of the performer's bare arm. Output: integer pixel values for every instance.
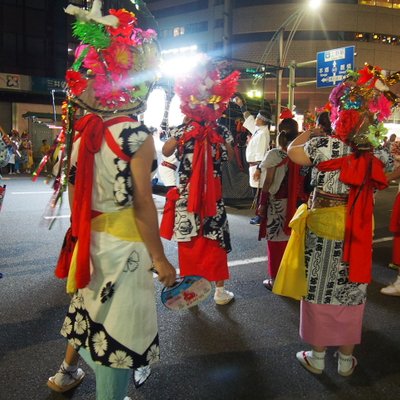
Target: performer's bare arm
(169, 147)
(296, 148)
(146, 212)
(393, 175)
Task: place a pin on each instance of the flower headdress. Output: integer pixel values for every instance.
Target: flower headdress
(116, 57)
(204, 95)
(360, 104)
(286, 113)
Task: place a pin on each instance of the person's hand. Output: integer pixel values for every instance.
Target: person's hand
(317, 132)
(256, 175)
(165, 271)
(262, 210)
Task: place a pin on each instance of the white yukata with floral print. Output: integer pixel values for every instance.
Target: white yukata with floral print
(114, 317)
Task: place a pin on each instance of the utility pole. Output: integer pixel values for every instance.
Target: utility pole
(279, 78)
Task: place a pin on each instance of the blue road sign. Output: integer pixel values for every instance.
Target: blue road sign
(332, 65)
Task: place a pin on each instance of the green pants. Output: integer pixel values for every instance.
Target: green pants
(111, 383)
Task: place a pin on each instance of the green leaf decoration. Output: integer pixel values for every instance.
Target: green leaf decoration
(141, 91)
(78, 62)
(91, 33)
(354, 75)
(376, 134)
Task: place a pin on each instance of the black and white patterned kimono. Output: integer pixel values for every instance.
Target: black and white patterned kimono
(187, 224)
(327, 274)
(114, 317)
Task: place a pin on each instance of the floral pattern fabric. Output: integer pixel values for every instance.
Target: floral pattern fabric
(106, 317)
(187, 225)
(327, 274)
(276, 208)
(129, 137)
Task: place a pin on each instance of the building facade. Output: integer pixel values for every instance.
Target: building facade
(36, 44)
(246, 30)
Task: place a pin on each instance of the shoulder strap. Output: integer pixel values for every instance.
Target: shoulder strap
(111, 142)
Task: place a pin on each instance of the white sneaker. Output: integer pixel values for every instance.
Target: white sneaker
(65, 380)
(223, 296)
(312, 361)
(392, 289)
(346, 364)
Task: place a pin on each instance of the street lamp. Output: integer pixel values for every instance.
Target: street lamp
(294, 20)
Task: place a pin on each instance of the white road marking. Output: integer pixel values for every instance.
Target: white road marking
(254, 260)
(32, 192)
(58, 217)
(384, 239)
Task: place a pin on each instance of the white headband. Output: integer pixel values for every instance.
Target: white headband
(265, 119)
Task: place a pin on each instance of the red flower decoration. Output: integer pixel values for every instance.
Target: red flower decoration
(347, 123)
(286, 113)
(119, 58)
(127, 21)
(76, 82)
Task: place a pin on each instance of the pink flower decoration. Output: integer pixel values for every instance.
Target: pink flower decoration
(110, 91)
(92, 60)
(382, 107)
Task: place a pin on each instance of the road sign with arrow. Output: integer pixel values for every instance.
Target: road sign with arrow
(332, 65)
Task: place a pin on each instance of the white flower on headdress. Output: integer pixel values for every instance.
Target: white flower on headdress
(93, 15)
(381, 86)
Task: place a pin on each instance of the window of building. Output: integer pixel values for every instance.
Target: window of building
(377, 38)
(218, 2)
(178, 31)
(197, 27)
(381, 3)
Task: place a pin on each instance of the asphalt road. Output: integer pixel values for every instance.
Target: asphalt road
(242, 351)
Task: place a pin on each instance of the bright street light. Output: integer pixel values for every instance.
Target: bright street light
(293, 22)
(314, 4)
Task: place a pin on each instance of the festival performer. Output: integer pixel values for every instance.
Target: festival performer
(279, 197)
(257, 146)
(112, 319)
(338, 228)
(5, 149)
(394, 288)
(195, 214)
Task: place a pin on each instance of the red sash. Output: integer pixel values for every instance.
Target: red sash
(363, 173)
(92, 130)
(204, 189)
(168, 219)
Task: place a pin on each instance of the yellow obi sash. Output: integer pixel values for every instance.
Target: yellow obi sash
(329, 223)
(121, 224)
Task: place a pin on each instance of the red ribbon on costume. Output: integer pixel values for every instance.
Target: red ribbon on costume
(395, 228)
(168, 219)
(363, 173)
(204, 189)
(395, 217)
(92, 130)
